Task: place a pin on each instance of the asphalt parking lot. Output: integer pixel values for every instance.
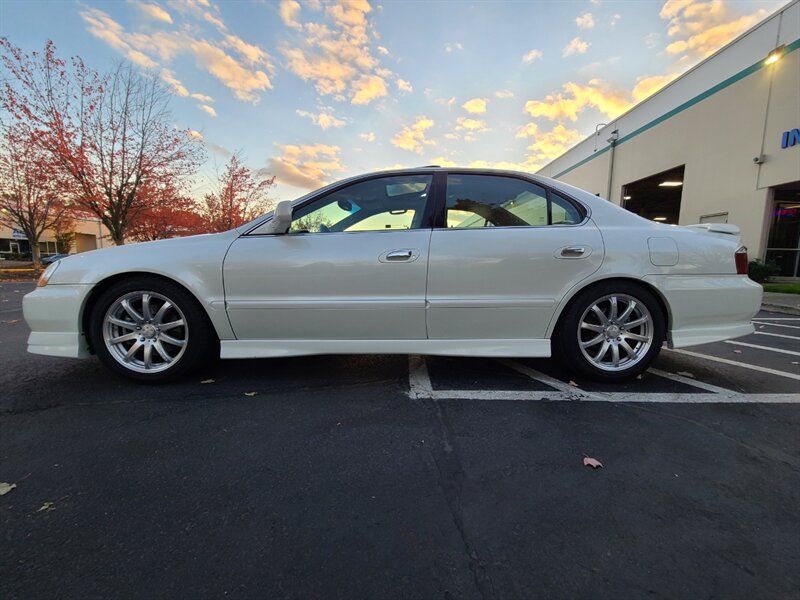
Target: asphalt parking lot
(403, 477)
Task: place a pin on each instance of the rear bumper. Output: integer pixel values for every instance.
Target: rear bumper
(53, 313)
(707, 308)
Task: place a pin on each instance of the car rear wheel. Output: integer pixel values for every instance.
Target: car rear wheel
(150, 330)
(612, 331)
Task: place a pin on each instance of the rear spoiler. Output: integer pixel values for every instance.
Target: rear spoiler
(717, 228)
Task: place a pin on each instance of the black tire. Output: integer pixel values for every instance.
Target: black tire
(570, 333)
(200, 342)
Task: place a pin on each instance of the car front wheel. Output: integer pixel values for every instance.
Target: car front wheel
(612, 331)
(150, 330)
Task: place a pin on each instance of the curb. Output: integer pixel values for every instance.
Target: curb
(780, 308)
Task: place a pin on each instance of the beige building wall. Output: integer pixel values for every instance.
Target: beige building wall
(90, 234)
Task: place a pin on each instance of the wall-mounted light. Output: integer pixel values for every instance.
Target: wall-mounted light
(775, 55)
(670, 184)
(659, 218)
(626, 197)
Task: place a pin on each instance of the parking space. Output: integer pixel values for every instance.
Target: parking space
(398, 476)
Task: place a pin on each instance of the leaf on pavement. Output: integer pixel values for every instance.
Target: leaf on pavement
(588, 461)
(737, 351)
(11, 321)
(686, 374)
(250, 393)
(47, 507)
(207, 381)
(572, 383)
(6, 487)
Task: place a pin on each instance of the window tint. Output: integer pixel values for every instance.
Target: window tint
(374, 205)
(494, 201)
(563, 212)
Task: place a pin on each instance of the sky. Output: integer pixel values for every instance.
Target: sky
(313, 91)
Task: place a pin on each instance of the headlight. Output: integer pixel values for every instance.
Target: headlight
(47, 274)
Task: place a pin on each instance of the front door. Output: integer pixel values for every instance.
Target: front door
(353, 266)
(505, 254)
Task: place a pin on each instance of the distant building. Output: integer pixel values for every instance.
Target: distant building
(719, 144)
(90, 234)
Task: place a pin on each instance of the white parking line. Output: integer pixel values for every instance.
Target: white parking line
(420, 387)
(734, 363)
(779, 335)
(757, 347)
(689, 381)
(777, 319)
(776, 325)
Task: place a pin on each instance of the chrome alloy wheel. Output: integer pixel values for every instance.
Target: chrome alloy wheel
(145, 332)
(615, 332)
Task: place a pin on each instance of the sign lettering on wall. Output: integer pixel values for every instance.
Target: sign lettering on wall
(790, 138)
(18, 234)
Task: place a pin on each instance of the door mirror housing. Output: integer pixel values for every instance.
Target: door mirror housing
(281, 219)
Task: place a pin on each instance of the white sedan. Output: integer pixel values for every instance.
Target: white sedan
(429, 260)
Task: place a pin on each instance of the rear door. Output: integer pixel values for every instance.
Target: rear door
(503, 253)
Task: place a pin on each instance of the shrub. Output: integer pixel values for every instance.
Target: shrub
(761, 271)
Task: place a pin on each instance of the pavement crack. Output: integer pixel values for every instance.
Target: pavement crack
(451, 478)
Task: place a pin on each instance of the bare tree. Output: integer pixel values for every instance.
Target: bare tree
(112, 134)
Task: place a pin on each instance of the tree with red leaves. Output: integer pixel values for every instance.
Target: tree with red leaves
(111, 134)
(239, 195)
(33, 191)
(166, 215)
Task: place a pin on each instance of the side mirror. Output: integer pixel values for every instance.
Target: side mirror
(281, 219)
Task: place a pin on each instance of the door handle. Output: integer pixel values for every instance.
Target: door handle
(574, 252)
(398, 255)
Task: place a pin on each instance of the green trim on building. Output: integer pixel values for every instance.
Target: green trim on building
(688, 104)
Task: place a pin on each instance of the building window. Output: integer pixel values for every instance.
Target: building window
(657, 197)
(5, 245)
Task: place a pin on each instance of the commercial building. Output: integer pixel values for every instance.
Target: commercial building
(90, 234)
(719, 144)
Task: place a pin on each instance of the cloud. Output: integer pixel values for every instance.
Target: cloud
(194, 134)
(325, 118)
(244, 83)
(443, 162)
(367, 137)
(251, 53)
(575, 98)
(308, 167)
(475, 106)
(575, 46)
(448, 102)
(366, 88)
(532, 56)
(336, 55)
(615, 19)
(504, 94)
(701, 27)
(201, 97)
(651, 40)
(585, 20)
(176, 86)
(289, 10)
(412, 137)
(471, 125)
(383, 50)
(552, 144)
(155, 12)
(527, 130)
(245, 79)
(647, 86)
(453, 47)
(208, 109)
(403, 85)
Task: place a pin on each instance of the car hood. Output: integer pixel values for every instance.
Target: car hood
(160, 257)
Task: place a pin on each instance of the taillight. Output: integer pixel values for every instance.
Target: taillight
(741, 261)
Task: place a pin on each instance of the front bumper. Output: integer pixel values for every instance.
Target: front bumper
(53, 313)
(708, 308)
